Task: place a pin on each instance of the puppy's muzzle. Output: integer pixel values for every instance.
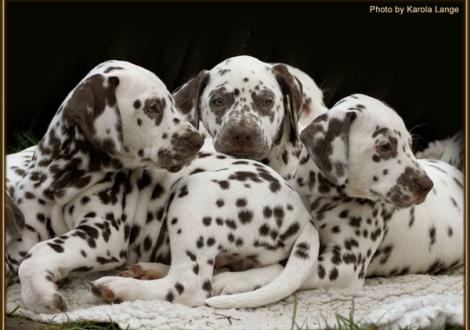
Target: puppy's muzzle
(185, 149)
(242, 141)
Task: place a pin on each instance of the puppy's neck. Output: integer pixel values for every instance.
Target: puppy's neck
(64, 164)
(284, 155)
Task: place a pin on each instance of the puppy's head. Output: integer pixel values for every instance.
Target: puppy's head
(363, 145)
(246, 105)
(127, 112)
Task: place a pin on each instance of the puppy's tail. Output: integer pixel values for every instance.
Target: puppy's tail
(299, 267)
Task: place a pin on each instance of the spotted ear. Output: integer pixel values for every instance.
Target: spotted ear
(292, 91)
(327, 141)
(187, 97)
(93, 108)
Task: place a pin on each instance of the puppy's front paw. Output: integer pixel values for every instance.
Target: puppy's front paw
(39, 291)
(43, 301)
(114, 289)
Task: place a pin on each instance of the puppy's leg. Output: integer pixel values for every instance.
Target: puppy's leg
(96, 244)
(188, 281)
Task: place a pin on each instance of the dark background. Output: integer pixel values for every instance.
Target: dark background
(415, 63)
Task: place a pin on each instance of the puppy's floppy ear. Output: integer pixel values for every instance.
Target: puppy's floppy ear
(292, 91)
(327, 141)
(187, 97)
(93, 108)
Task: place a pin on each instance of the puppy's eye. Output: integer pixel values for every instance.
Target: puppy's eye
(218, 101)
(152, 108)
(267, 102)
(384, 147)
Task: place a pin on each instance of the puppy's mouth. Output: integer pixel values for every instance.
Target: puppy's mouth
(242, 151)
(176, 162)
(174, 169)
(244, 154)
(243, 140)
(405, 201)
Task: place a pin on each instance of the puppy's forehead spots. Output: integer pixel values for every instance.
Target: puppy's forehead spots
(243, 71)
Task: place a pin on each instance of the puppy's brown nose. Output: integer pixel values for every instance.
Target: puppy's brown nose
(241, 135)
(424, 183)
(196, 140)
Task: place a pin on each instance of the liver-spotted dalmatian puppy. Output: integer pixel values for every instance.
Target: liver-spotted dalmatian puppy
(79, 193)
(365, 191)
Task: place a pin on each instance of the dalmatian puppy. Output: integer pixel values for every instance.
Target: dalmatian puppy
(366, 193)
(80, 191)
(242, 105)
(244, 212)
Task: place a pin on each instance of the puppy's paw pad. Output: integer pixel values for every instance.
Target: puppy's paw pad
(102, 291)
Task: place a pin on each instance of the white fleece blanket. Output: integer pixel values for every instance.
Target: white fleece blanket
(413, 301)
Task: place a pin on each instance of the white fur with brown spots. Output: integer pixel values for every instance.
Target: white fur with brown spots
(79, 191)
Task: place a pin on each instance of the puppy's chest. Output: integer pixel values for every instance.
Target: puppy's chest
(355, 219)
(105, 200)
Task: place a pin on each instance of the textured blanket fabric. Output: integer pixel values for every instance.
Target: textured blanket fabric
(414, 301)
